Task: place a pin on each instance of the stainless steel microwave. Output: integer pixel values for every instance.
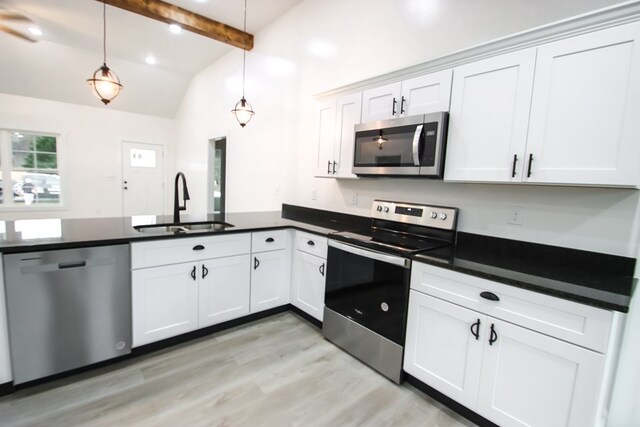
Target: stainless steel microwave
(407, 146)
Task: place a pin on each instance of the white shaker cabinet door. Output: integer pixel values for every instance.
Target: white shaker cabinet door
(224, 289)
(430, 93)
(270, 280)
(349, 109)
(164, 302)
(530, 379)
(488, 120)
(381, 103)
(308, 284)
(584, 115)
(442, 349)
(325, 134)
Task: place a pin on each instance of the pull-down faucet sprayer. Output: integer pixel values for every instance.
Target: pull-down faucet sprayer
(185, 196)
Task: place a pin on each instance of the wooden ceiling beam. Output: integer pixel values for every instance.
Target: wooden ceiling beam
(172, 14)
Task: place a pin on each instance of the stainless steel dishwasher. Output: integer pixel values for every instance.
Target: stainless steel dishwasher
(67, 308)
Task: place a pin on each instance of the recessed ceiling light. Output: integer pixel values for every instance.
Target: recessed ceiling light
(175, 28)
(150, 59)
(34, 30)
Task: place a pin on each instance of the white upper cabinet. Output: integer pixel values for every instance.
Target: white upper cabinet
(337, 118)
(574, 123)
(488, 120)
(584, 127)
(325, 134)
(348, 111)
(419, 95)
(426, 94)
(381, 103)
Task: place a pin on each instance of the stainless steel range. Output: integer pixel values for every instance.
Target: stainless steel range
(367, 286)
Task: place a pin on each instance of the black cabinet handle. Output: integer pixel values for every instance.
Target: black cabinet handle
(256, 263)
(328, 167)
(269, 240)
(193, 273)
(334, 168)
(402, 105)
(205, 271)
(321, 269)
(515, 160)
(311, 243)
(490, 296)
(493, 337)
(476, 333)
(198, 247)
(393, 108)
(530, 163)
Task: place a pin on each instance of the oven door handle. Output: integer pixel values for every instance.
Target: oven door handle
(416, 145)
(378, 256)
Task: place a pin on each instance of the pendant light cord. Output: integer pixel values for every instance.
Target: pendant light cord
(244, 51)
(104, 32)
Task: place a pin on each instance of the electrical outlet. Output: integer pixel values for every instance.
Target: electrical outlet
(354, 198)
(314, 194)
(515, 215)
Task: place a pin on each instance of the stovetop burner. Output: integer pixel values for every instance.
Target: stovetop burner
(404, 229)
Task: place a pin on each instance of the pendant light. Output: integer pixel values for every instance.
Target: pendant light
(243, 111)
(104, 82)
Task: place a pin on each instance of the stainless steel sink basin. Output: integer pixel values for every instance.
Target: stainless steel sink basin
(183, 227)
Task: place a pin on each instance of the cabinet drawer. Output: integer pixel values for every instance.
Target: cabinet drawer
(173, 251)
(269, 240)
(311, 244)
(577, 323)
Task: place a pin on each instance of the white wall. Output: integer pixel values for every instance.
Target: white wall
(91, 143)
(321, 45)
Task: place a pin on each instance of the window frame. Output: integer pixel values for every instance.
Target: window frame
(6, 166)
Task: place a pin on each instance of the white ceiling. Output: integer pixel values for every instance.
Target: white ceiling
(71, 49)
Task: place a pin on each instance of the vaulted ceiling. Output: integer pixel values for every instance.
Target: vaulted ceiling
(70, 49)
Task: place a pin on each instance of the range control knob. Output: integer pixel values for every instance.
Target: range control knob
(433, 215)
(379, 208)
(386, 209)
(443, 216)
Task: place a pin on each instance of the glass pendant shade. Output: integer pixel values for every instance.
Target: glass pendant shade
(243, 112)
(105, 84)
(380, 140)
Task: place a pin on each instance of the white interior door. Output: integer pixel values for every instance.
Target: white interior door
(142, 179)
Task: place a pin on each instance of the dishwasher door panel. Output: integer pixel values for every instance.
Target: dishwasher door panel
(67, 309)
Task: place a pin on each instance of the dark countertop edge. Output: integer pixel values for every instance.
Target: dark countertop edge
(47, 246)
(530, 286)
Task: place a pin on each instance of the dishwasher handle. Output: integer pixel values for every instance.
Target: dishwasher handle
(73, 264)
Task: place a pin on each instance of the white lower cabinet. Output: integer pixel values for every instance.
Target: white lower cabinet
(223, 289)
(308, 281)
(271, 269)
(169, 300)
(530, 379)
(5, 361)
(440, 349)
(509, 374)
(270, 280)
(164, 301)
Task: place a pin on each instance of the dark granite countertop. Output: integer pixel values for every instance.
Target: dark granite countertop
(48, 234)
(600, 280)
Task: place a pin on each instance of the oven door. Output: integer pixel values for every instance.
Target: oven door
(370, 288)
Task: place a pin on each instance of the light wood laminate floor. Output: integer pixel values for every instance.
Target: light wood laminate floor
(278, 371)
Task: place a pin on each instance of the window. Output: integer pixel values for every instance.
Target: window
(29, 169)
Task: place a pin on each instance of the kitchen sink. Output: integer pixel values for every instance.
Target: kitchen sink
(183, 227)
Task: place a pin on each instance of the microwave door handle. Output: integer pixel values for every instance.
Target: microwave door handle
(416, 145)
